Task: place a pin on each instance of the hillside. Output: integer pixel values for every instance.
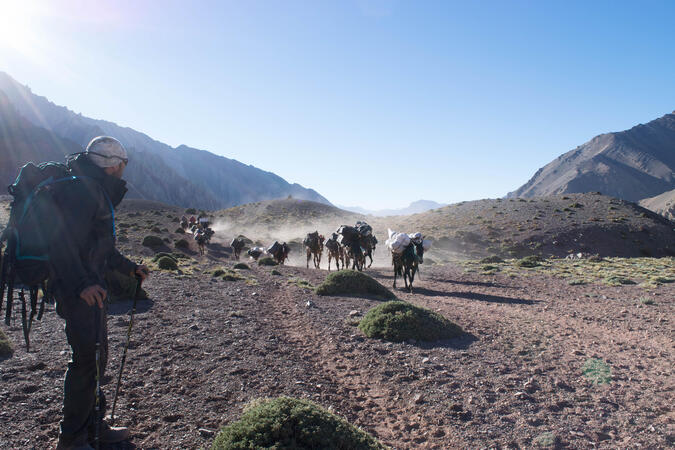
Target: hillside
(21, 141)
(631, 164)
(182, 176)
(663, 204)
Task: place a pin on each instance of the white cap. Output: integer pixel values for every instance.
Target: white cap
(106, 151)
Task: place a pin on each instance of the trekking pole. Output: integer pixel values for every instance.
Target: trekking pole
(139, 280)
(97, 408)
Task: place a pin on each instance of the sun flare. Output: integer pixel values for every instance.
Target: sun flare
(18, 25)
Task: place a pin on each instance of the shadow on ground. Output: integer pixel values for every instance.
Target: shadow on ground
(121, 307)
(474, 296)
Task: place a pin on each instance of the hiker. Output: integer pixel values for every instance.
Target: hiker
(79, 259)
(184, 223)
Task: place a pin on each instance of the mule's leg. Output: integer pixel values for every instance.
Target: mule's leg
(309, 255)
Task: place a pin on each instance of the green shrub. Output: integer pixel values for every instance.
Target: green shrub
(242, 266)
(491, 260)
(182, 243)
(5, 346)
(156, 230)
(191, 211)
(152, 241)
(577, 282)
(529, 261)
(179, 230)
(167, 263)
(218, 273)
(647, 301)
(399, 321)
(545, 440)
(289, 423)
(351, 282)
(267, 261)
(162, 254)
(232, 276)
(275, 272)
(597, 371)
(617, 280)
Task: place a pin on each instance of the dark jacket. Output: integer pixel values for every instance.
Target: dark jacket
(84, 248)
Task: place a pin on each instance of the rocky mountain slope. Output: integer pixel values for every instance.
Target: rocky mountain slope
(549, 226)
(663, 204)
(182, 176)
(631, 164)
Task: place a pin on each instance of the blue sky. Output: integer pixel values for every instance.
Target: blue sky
(372, 103)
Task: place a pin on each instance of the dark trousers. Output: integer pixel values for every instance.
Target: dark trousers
(79, 391)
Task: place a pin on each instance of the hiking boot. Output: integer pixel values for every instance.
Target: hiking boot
(112, 435)
(62, 445)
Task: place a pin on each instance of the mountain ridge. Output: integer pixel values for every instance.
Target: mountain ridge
(183, 175)
(631, 164)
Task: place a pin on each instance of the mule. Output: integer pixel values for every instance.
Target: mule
(314, 248)
(406, 264)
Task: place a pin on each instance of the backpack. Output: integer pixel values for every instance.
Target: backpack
(25, 263)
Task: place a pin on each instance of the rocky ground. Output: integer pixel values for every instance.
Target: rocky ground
(204, 347)
(521, 376)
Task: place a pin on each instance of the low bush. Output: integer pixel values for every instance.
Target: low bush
(275, 272)
(152, 241)
(267, 261)
(529, 261)
(491, 260)
(182, 243)
(179, 230)
(6, 348)
(241, 266)
(190, 211)
(647, 301)
(167, 263)
(597, 371)
(285, 423)
(617, 280)
(400, 321)
(218, 273)
(351, 282)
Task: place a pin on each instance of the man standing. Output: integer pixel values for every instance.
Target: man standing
(80, 256)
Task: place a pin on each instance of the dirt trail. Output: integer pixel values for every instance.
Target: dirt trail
(204, 347)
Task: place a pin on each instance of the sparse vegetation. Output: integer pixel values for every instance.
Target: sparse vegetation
(6, 348)
(530, 261)
(545, 440)
(300, 283)
(287, 422)
(401, 321)
(597, 371)
(241, 266)
(617, 280)
(267, 261)
(491, 260)
(351, 282)
(647, 301)
(275, 272)
(152, 241)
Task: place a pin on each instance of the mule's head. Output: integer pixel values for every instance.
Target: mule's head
(419, 250)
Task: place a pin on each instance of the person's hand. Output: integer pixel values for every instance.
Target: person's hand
(142, 271)
(94, 294)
